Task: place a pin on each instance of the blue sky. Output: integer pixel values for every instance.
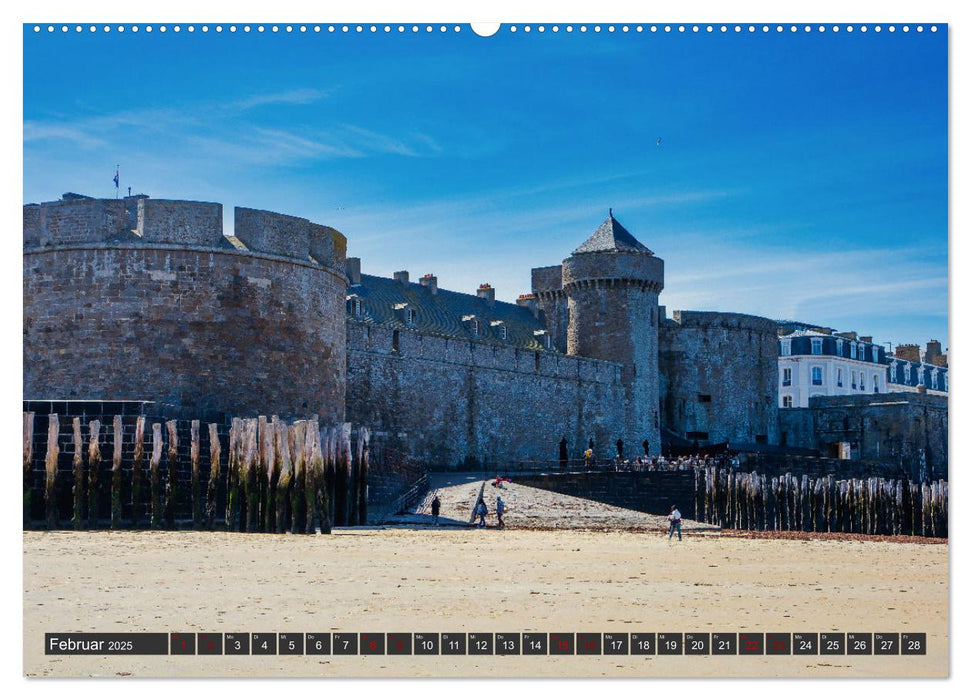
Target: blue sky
(799, 175)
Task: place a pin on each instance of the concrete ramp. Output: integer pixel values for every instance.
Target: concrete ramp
(528, 507)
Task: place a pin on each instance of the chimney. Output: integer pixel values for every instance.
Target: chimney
(430, 282)
(486, 292)
(530, 302)
(933, 355)
(401, 276)
(908, 352)
(352, 267)
(867, 339)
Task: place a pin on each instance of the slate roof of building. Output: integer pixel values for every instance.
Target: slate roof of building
(612, 237)
(442, 313)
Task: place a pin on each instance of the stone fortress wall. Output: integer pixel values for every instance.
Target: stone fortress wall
(459, 403)
(145, 299)
(719, 377)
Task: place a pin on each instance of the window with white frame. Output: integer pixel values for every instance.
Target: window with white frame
(817, 375)
(907, 374)
(787, 401)
(787, 347)
(862, 381)
(839, 376)
(853, 379)
(893, 372)
(787, 376)
(817, 346)
(852, 351)
(945, 381)
(934, 379)
(839, 347)
(876, 383)
(411, 316)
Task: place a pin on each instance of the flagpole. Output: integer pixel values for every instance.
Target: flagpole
(117, 171)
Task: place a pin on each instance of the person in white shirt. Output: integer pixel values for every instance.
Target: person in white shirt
(675, 519)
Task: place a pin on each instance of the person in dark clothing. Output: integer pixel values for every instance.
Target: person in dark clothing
(436, 509)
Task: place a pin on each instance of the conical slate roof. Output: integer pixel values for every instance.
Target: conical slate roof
(612, 237)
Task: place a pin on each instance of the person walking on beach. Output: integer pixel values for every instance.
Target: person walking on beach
(481, 510)
(675, 519)
(436, 509)
(500, 509)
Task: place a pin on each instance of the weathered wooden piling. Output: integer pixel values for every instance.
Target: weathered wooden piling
(320, 483)
(269, 439)
(215, 450)
(263, 455)
(155, 476)
(28, 464)
(94, 465)
(137, 477)
(298, 432)
(249, 472)
(50, 469)
(195, 484)
(362, 473)
(77, 489)
(171, 484)
(309, 487)
(232, 475)
(285, 476)
(116, 446)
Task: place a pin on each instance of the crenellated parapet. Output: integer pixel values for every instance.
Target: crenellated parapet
(76, 220)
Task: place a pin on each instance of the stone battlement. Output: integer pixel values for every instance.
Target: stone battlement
(718, 319)
(76, 220)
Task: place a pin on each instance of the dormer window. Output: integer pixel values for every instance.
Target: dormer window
(852, 351)
(787, 346)
(907, 374)
(355, 306)
(817, 346)
(545, 338)
(839, 347)
(472, 323)
(411, 316)
(499, 327)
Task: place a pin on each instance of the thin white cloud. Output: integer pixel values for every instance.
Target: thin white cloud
(302, 96)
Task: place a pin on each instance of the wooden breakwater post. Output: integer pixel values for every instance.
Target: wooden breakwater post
(232, 476)
(268, 432)
(320, 483)
(117, 437)
(331, 473)
(285, 476)
(171, 482)
(155, 476)
(298, 513)
(249, 473)
(28, 464)
(354, 451)
(364, 435)
(94, 465)
(195, 484)
(311, 438)
(50, 472)
(211, 491)
(263, 455)
(138, 456)
(77, 488)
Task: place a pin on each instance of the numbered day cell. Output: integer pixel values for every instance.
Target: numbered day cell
(210, 643)
(427, 643)
(859, 643)
(832, 643)
(182, 643)
(589, 643)
(913, 643)
(290, 643)
(751, 643)
(643, 643)
(697, 643)
(617, 643)
(562, 643)
(237, 643)
(372, 643)
(454, 643)
(778, 643)
(508, 643)
(481, 643)
(344, 643)
(535, 643)
(886, 643)
(399, 643)
(805, 643)
(264, 643)
(318, 643)
(724, 643)
(670, 643)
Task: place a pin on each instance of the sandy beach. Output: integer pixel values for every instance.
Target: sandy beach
(459, 579)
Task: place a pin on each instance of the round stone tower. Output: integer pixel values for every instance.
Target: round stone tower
(612, 283)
